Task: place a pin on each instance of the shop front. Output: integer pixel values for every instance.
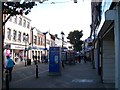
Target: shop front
(17, 53)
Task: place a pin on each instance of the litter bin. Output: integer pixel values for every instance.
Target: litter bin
(28, 61)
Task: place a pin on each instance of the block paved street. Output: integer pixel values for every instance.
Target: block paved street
(80, 75)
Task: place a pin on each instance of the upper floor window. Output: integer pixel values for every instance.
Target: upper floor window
(24, 23)
(15, 19)
(39, 40)
(19, 36)
(48, 42)
(20, 21)
(5, 16)
(25, 37)
(34, 39)
(28, 25)
(10, 19)
(8, 33)
(14, 34)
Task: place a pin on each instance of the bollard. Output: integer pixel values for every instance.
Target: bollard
(25, 63)
(36, 71)
(7, 80)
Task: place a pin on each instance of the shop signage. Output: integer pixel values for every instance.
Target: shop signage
(17, 47)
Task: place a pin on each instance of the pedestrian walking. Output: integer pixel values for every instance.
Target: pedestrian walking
(9, 66)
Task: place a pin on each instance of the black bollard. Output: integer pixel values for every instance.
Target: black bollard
(25, 63)
(7, 80)
(36, 71)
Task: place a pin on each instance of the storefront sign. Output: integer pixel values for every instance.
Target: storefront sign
(17, 47)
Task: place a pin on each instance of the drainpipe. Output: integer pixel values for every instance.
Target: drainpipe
(1, 44)
(117, 46)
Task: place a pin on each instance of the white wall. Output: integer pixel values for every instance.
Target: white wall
(16, 27)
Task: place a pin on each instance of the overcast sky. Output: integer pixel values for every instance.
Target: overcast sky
(64, 16)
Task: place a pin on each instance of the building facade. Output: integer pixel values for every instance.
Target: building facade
(106, 43)
(17, 36)
(37, 44)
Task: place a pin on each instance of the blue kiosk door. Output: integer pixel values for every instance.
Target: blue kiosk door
(54, 60)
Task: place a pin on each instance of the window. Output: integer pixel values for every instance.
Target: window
(28, 25)
(15, 19)
(19, 36)
(20, 21)
(23, 37)
(34, 39)
(41, 41)
(48, 42)
(14, 35)
(27, 38)
(8, 33)
(24, 23)
(5, 16)
(38, 40)
(10, 19)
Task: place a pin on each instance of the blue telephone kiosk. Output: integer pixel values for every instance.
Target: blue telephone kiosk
(54, 61)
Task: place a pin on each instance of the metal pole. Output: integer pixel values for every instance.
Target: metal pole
(7, 80)
(25, 52)
(45, 44)
(62, 40)
(36, 70)
(1, 45)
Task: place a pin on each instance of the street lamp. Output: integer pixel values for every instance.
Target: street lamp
(75, 1)
(25, 37)
(62, 33)
(32, 34)
(45, 41)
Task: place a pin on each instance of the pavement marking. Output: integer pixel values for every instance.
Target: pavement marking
(82, 81)
(28, 77)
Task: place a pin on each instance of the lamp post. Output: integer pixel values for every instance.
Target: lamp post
(62, 33)
(45, 41)
(32, 34)
(25, 36)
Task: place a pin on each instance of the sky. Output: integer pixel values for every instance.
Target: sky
(64, 15)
